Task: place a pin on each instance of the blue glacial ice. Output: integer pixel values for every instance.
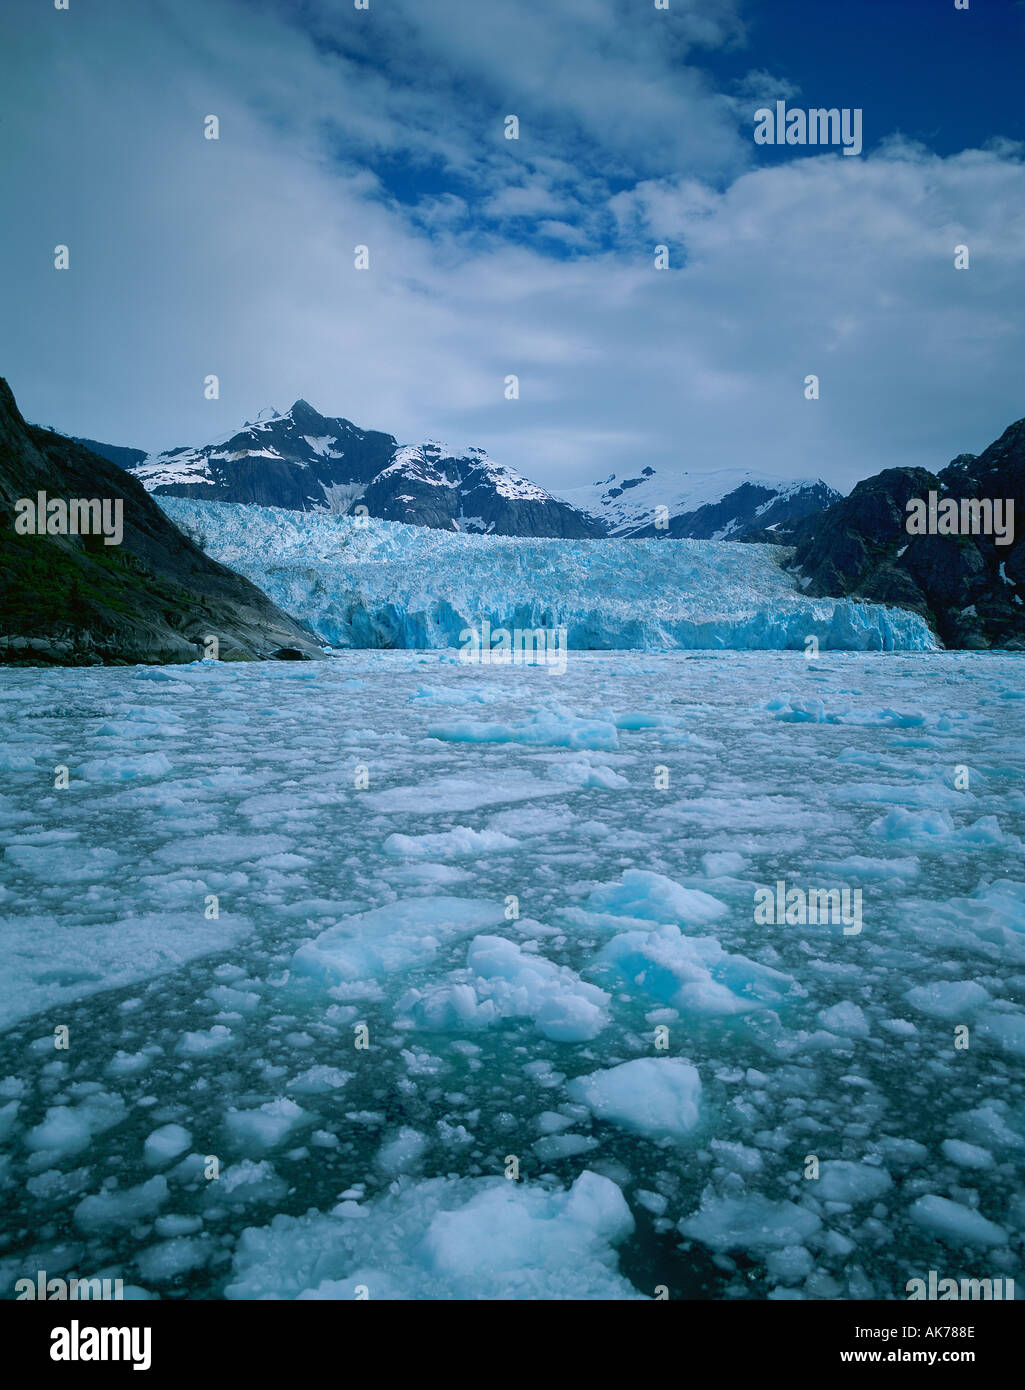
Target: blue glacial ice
(385, 584)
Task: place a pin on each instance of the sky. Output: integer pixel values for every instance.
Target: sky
(534, 257)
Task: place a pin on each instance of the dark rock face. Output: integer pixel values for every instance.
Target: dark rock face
(970, 588)
(124, 458)
(155, 597)
(305, 461)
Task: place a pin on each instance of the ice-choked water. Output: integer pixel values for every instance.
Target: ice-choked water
(383, 584)
(513, 880)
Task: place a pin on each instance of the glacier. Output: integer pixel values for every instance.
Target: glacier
(361, 582)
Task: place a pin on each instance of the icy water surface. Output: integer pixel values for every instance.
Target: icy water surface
(532, 897)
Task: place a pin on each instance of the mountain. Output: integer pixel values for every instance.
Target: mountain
(152, 597)
(714, 506)
(304, 461)
(970, 588)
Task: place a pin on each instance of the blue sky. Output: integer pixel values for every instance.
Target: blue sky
(949, 78)
(532, 257)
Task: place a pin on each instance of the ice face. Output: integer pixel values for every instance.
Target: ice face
(383, 584)
(365, 995)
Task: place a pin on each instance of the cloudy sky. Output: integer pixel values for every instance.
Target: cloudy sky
(488, 257)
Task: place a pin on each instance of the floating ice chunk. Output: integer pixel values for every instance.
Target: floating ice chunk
(403, 1152)
(901, 1154)
(460, 794)
(936, 830)
(159, 673)
(656, 1096)
(890, 718)
(16, 760)
(557, 1146)
(267, 1125)
(505, 981)
(246, 1182)
(320, 1080)
(459, 840)
(129, 1063)
(449, 1008)
(160, 1263)
(1006, 898)
(693, 973)
(948, 998)
(116, 1207)
(994, 912)
(642, 719)
(987, 1122)
(175, 1224)
(218, 850)
(242, 1001)
(655, 898)
(654, 1202)
(521, 983)
(966, 1155)
(551, 1122)
(723, 864)
(69, 1129)
(479, 1238)
(1005, 1028)
(165, 1143)
(903, 1027)
(197, 1044)
(62, 864)
(554, 728)
(453, 695)
(125, 769)
(954, 1223)
(845, 1018)
(853, 1183)
(388, 940)
(791, 1265)
(737, 1157)
(808, 711)
(931, 795)
(101, 955)
(584, 774)
(752, 1222)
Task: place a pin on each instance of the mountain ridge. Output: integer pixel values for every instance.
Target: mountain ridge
(304, 461)
(154, 596)
(969, 586)
(716, 505)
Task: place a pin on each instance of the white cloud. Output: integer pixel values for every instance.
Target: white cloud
(236, 257)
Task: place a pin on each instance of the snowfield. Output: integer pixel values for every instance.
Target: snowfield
(456, 973)
(384, 584)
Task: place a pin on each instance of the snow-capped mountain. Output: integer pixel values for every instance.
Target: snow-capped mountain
(305, 461)
(714, 506)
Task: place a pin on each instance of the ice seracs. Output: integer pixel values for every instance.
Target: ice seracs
(381, 584)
